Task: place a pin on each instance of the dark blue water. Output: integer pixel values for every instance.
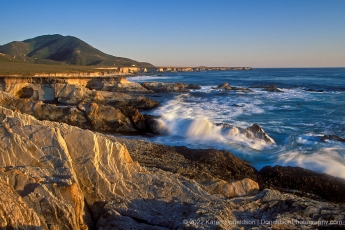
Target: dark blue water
(312, 105)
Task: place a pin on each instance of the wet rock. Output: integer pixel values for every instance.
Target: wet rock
(256, 132)
(152, 124)
(332, 137)
(138, 120)
(160, 87)
(225, 86)
(305, 181)
(193, 86)
(269, 88)
(315, 90)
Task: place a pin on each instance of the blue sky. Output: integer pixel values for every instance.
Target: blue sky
(257, 33)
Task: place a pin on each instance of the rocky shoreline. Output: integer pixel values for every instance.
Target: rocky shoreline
(57, 171)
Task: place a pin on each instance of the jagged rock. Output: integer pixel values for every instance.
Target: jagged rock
(304, 181)
(192, 163)
(160, 87)
(44, 111)
(332, 137)
(59, 165)
(256, 132)
(14, 212)
(137, 119)
(107, 118)
(84, 115)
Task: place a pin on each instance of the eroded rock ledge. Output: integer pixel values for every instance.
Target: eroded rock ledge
(82, 107)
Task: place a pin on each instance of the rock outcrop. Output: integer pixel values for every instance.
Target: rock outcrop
(89, 115)
(253, 133)
(256, 132)
(160, 87)
(73, 94)
(198, 164)
(63, 177)
(303, 182)
(226, 86)
(269, 88)
(332, 137)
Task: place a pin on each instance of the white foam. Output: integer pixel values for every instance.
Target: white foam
(203, 128)
(326, 160)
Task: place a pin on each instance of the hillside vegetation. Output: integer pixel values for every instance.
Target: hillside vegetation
(61, 50)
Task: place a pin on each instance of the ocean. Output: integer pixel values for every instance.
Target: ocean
(311, 105)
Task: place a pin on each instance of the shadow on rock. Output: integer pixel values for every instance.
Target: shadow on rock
(306, 182)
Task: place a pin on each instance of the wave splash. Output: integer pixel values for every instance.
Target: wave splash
(201, 129)
(325, 160)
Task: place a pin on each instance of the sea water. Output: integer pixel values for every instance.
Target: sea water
(311, 105)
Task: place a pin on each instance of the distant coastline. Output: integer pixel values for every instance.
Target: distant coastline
(8, 69)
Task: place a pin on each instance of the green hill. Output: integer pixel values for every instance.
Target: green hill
(58, 49)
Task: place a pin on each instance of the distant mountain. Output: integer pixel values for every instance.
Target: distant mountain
(58, 49)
